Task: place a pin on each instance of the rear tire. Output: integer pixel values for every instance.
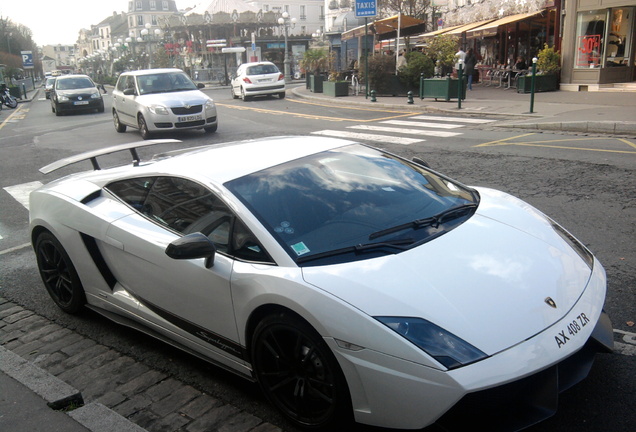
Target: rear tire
(299, 374)
(58, 274)
(243, 95)
(119, 127)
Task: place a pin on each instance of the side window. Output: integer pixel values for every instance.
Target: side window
(187, 207)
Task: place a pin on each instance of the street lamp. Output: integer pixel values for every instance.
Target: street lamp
(148, 36)
(286, 22)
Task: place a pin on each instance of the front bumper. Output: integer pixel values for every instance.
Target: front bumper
(523, 380)
(202, 119)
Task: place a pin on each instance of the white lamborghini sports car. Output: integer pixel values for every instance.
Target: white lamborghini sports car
(350, 283)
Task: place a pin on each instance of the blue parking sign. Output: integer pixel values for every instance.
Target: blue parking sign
(366, 8)
(27, 59)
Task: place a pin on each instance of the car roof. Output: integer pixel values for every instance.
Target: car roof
(257, 63)
(224, 162)
(72, 76)
(151, 71)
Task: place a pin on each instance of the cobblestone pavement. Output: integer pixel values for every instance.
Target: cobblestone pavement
(147, 397)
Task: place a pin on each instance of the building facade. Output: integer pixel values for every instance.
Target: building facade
(598, 44)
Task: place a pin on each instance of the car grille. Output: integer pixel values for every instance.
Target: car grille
(183, 110)
(189, 124)
(86, 96)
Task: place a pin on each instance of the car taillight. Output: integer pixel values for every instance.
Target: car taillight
(247, 80)
(281, 77)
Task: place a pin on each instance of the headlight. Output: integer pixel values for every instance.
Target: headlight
(158, 109)
(209, 104)
(62, 98)
(440, 344)
(96, 96)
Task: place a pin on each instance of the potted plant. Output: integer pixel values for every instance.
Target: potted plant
(315, 61)
(335, 86)
(548, 69)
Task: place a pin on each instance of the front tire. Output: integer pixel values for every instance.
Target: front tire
(299, 374)
(281, 95)
(143, 128)
(58, 274)
(12, 102)
(234, 95)
(211, 129)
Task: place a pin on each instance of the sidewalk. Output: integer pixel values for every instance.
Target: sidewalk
(580, 112)
(55, 380)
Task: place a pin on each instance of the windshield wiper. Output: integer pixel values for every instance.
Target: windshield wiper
(433, 221)
(364, 247)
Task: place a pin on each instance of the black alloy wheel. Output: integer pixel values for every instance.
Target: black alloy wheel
(299, 374)
(58, 274)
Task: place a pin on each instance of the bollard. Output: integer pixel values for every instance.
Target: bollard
(534, 73)
(409, 95)
(373, 96)
(460, 83)
(24, 90)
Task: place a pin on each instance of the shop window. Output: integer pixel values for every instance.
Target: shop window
(619, 39)
(590, 33)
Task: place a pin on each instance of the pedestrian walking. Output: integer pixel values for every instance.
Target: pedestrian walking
(470, 63)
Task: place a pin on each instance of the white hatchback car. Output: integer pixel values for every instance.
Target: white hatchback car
(161, 100)
(258, 79)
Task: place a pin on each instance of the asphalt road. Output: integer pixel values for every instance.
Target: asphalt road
(585, 183)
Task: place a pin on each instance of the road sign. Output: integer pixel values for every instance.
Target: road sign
(27, 59)
(366, 8)
(233, 50)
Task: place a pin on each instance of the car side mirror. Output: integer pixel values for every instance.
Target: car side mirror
(129, 91)
(420, 161)
(200, 85)
(192, 246)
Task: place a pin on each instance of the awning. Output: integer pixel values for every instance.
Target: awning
(437, 32)
(356, 33)
(490, 29)
(462, 28)
(387, 28)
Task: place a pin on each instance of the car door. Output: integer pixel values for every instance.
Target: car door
(180, 293)
(125, 104)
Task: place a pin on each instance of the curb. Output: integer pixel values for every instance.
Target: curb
(60, 395)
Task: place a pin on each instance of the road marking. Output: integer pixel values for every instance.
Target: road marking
(628, 346)
(423, 124)
(21, 192)
(15, 115)
(545, 144)
(454, 119)
(443, 134)
(368, 137)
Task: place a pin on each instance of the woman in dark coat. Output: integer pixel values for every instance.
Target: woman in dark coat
(470, 63)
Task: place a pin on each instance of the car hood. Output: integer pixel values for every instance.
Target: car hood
(486, 281)
(174, 99)
(79, 91)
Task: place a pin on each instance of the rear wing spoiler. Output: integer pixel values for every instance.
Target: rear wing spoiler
(94, 154)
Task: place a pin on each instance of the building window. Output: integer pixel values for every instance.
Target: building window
(153, 5)
(303, 12)
(153, 20)
(139, 5)
(164, 5)
(590, 32)
(266, 8)
(322, 13)
(286, 8)
(140, 20)
(130, 6)
(619, 40)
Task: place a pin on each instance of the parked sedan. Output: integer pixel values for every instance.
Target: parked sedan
(73, 93)
(258, 79)
(161, 100)
(48, 86)
(347, 281)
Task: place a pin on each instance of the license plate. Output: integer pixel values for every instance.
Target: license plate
(80, 103)
(265, 80)
(571, 330)
(189, 118)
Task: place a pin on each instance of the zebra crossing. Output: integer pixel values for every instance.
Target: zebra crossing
(412, 130)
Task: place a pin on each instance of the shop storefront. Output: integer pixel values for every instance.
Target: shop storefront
(598, 44)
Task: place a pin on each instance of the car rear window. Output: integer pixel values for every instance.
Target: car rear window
(262, 69)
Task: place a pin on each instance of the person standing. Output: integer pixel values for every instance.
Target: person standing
(470, 62)
(460, 55)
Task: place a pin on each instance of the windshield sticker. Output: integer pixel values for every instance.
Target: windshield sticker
(285, 227)
(300, 248)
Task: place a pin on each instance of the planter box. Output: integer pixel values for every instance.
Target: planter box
(542, 83)
(15, 92)
(315, 83)
(442, 88)
(335, 88)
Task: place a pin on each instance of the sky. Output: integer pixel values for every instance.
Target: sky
(59, 21)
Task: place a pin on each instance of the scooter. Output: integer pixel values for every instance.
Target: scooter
(6, 98)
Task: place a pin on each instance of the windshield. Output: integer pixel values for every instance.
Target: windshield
(164, 83)
(74, 83)
(261, 69)
(355, 197)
